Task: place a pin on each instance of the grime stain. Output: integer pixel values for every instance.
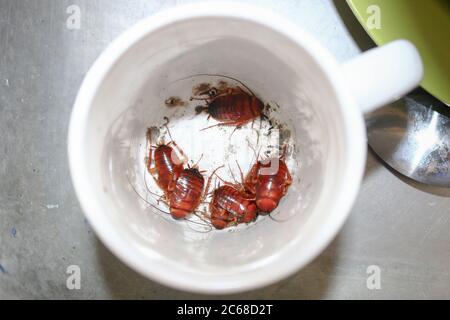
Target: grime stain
(222, 85)
(2, 269)
(13, 232)
(201, 89)
(175, 102)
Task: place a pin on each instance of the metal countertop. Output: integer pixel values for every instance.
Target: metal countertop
(398, 225)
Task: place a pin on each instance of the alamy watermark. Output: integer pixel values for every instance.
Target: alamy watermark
(73, 281)
(374, 19)
(73, 21)
(373, 281)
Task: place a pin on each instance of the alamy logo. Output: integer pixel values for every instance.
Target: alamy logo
(74, 279)
(74, 20)
(374, 279)
(374, 19)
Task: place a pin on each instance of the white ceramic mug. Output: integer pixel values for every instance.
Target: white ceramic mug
(322, 100)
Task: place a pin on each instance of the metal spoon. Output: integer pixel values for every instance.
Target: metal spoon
(412, 136)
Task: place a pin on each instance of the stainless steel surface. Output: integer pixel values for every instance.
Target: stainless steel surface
(413, 137)
(396, 224)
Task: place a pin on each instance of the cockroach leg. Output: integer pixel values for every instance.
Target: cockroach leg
(226, 182)
(198, 161)
(167, 121)
(232, 174)
(234, 123)
(206, 100)
(264, 117)
(151, 170)
(238, 127)
(240, 172)
(142, 198)
(204, 223)
(150, 153)
(276, 220)
(159, 197)
(184, 159)
(223, 181)
(208, 183)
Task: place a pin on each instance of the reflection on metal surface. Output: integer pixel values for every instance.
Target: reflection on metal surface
(413, 136)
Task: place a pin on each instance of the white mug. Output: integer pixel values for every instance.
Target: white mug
(322, 100)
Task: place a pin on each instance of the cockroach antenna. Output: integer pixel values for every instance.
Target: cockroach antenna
(216, 75)
(143, 199)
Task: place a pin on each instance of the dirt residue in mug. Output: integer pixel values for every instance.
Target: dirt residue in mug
(175, 102)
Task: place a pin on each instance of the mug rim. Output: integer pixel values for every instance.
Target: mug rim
(351, 116)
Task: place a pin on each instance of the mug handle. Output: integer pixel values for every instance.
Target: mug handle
(383, 74)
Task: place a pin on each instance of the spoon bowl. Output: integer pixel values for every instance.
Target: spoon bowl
(412, 136)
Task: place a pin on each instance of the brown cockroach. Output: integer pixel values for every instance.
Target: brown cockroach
(268, 186)
(204, 223)
(220, 218)
(231, 206)
(182, 187)
(167, 165)
(186, 194)
(231, 106)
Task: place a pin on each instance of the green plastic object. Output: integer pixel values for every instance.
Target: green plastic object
(426, 23)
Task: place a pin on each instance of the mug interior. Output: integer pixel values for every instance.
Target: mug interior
(131, 98)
